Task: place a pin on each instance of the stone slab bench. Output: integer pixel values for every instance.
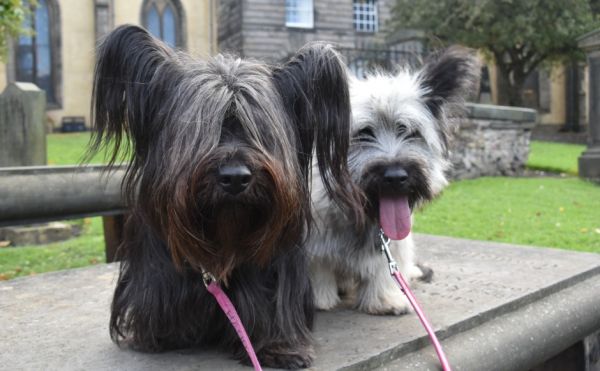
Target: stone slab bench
(495, 306)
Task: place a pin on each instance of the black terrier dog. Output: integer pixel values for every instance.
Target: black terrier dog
(220, 154)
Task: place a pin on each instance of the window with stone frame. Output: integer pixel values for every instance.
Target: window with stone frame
(366, 18)
(299, 13)
(37, 54)
(165, 20)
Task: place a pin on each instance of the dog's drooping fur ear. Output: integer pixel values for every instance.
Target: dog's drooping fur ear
(314, 83)
(447, 78)
(132, 68)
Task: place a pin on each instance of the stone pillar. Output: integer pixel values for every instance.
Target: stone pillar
(22, 129)
(589, 162)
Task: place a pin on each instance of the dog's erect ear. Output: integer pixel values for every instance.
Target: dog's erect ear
(132, 69)
(314, 87)
(449, 76)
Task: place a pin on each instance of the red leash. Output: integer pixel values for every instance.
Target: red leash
(385, 242)
(229, 309)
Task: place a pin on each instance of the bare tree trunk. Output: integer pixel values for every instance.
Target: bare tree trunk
(510, 89)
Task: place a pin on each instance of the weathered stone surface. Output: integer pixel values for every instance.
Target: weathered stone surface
(491, 141)
(22, 130)
(501, 113)
(59, 320)
(38, 234)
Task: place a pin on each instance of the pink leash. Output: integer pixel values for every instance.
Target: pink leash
(229, 309)
(385, 242)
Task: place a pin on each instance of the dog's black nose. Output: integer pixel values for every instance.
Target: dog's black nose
(395, 176)
(234, 178)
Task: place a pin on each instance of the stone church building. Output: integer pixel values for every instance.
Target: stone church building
(59, 57)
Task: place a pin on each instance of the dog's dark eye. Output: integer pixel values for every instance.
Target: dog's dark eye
(414, 135)
(402, 129)
(365, 135)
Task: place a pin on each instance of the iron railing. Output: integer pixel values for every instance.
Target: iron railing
(363, 61)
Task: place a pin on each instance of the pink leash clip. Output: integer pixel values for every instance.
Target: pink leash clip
(385, 248)
(229, 309)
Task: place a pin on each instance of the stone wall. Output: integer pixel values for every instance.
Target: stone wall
(492, 141)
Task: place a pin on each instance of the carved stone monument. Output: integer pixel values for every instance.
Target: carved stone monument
(22, 129)
(589, 162)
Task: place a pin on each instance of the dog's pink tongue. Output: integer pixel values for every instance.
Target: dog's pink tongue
(394, 217)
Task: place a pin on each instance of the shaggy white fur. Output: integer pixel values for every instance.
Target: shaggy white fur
(402, 121)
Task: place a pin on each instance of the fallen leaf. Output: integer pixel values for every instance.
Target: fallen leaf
(561, 209)
(583, 230)
(3, 277)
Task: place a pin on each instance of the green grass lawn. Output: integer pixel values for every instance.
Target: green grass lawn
(86, 249)
(554, 157)
(70, 149)
(553, 212)
(549, 211)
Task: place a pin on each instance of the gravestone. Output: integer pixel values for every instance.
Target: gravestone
(22, 129)
(589, 162)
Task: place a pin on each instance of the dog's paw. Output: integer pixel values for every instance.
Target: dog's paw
(391, 305)
(426, 273)
(326, 300)
(282, 357)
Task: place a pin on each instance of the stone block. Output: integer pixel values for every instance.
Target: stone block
(39, 234)
(22, 125)
(502, 113)
(589, 164)
(491, 141)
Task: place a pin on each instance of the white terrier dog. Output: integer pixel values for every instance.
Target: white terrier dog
(398, 157)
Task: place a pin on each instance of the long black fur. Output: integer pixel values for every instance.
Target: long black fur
(181, 119)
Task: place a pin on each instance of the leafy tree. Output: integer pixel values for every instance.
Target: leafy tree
(517, 35)
(12, 15)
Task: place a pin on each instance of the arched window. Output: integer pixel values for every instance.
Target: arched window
(165, 20)
(37, 55)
